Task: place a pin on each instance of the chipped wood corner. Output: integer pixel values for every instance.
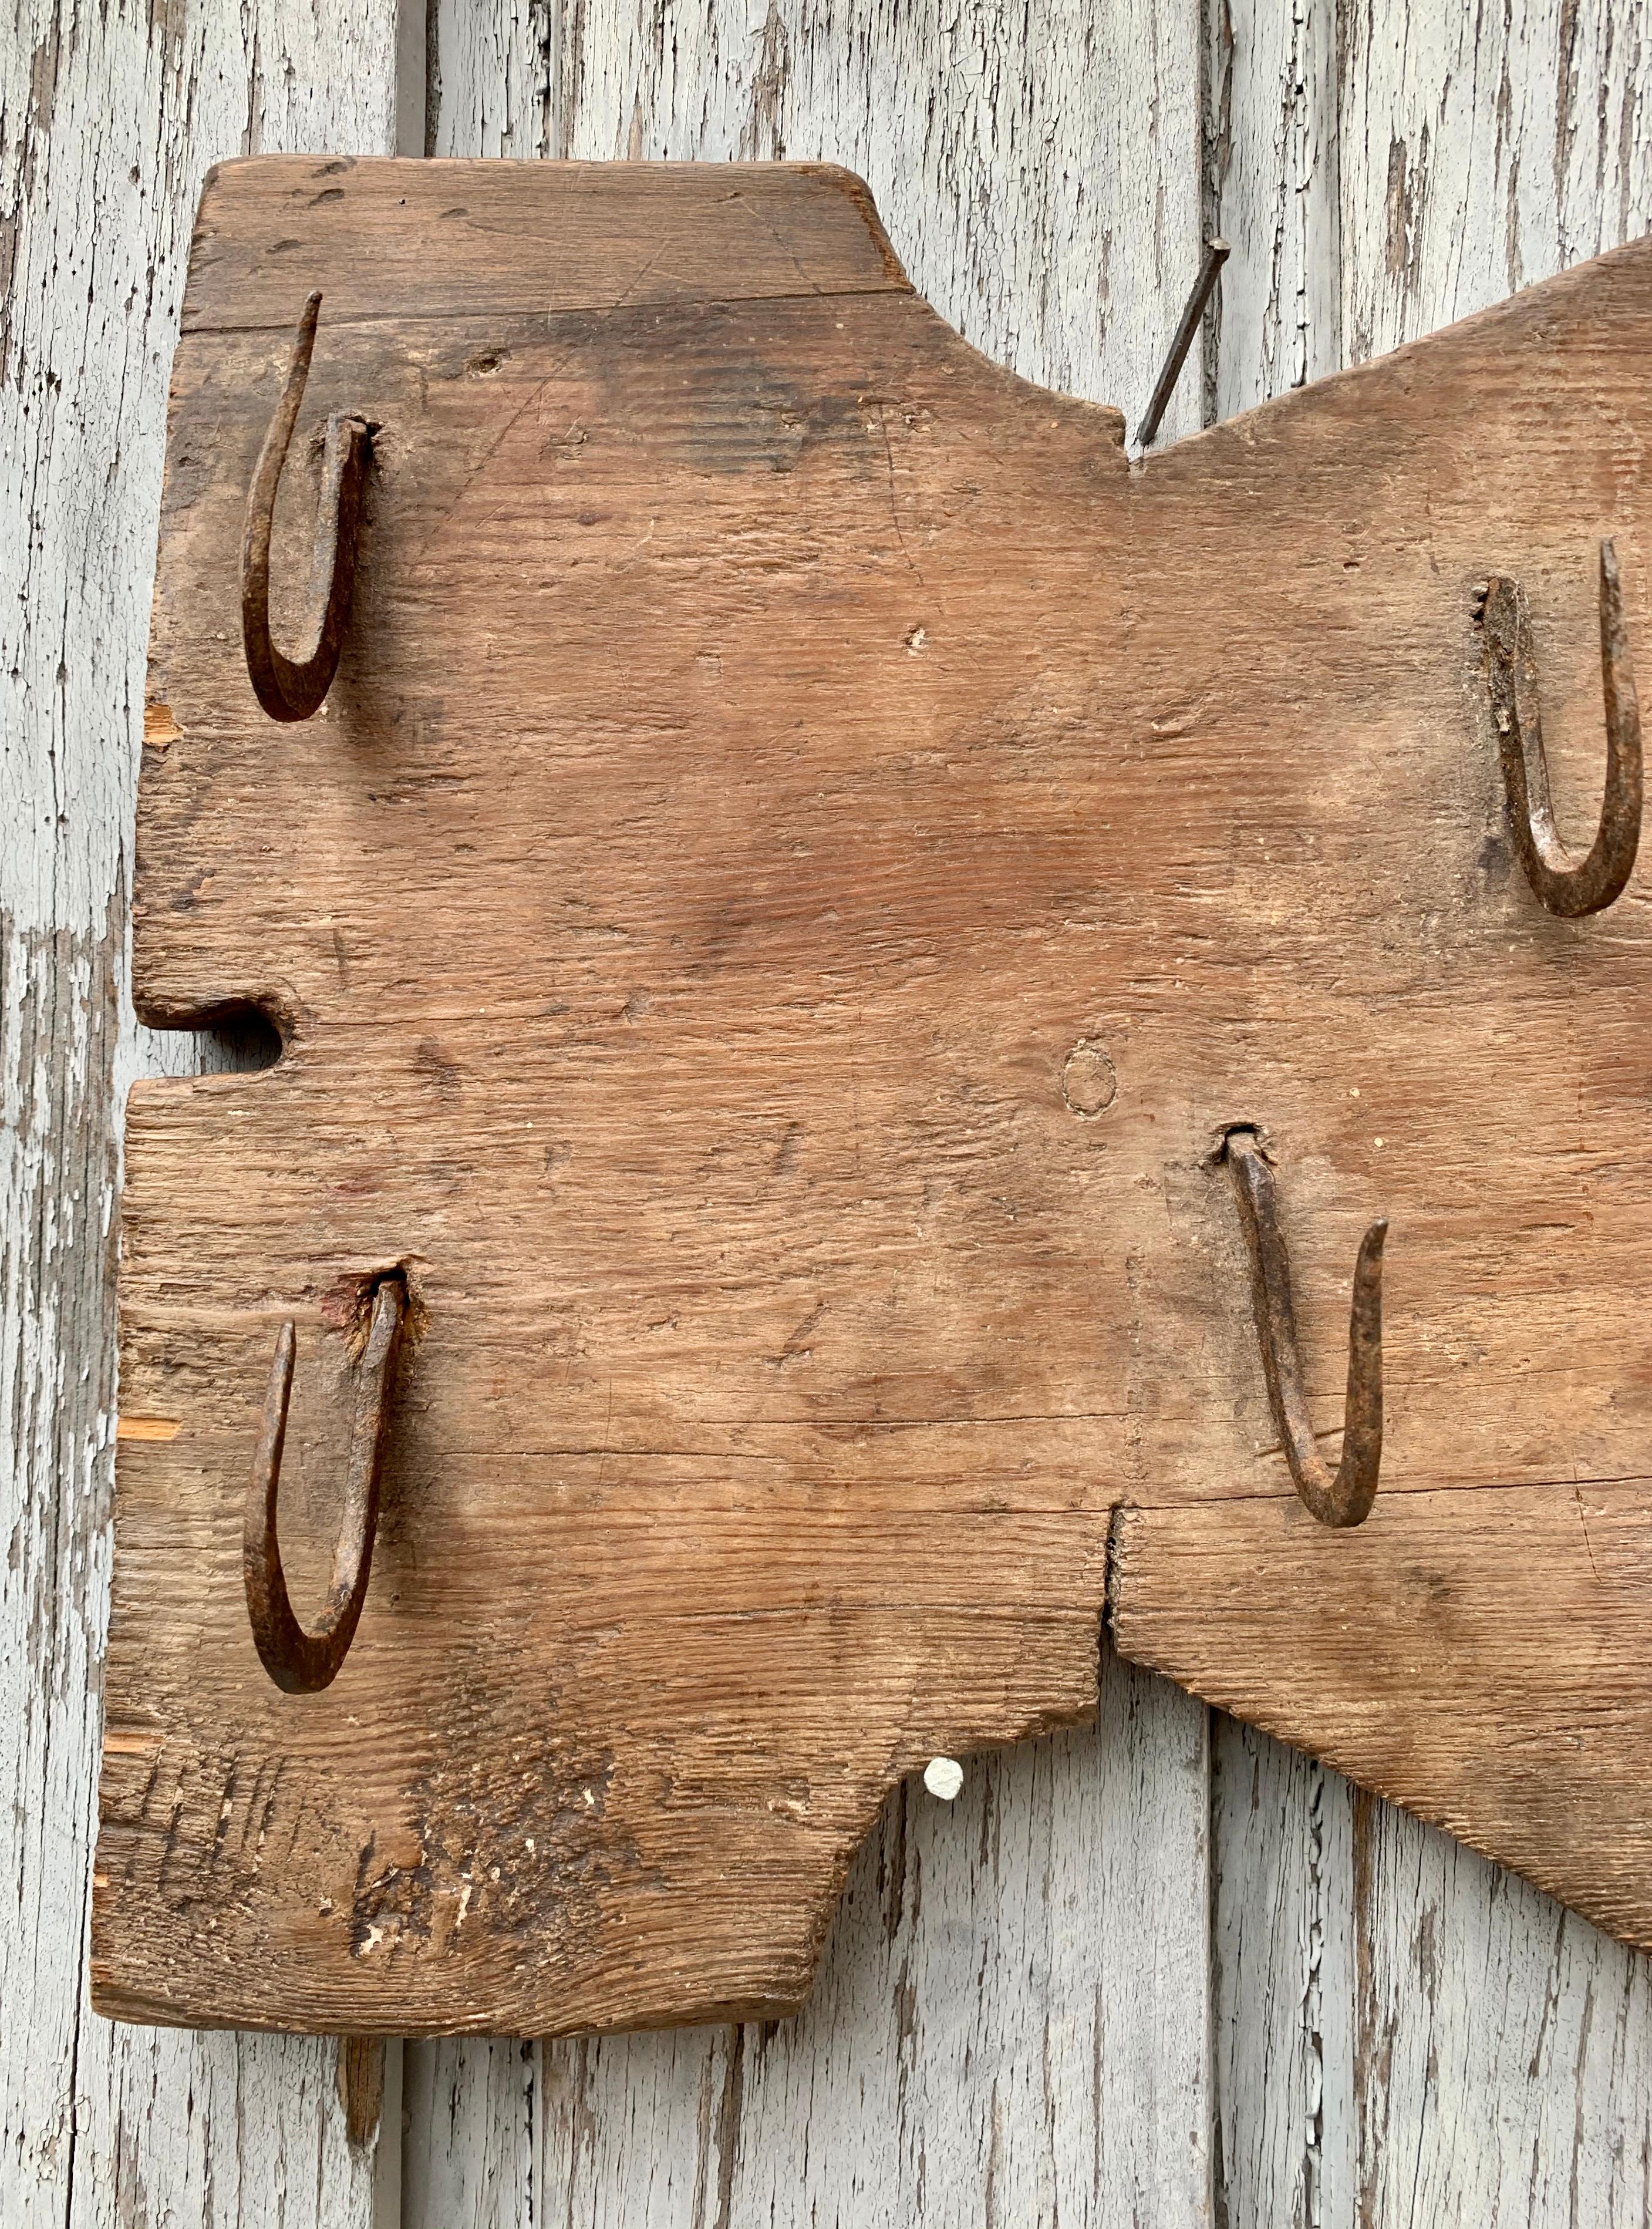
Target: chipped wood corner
(777, 906)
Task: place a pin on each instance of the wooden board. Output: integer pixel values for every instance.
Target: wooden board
(109, 118)
(825, 1331)
(1398, 2024)
(1015, 1996)
(1473, 2004)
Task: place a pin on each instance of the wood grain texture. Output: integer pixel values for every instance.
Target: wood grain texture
(997, 1679)
(1524, 1594)
(1480, 152)
(952, 134)
(1369, 2015)
(1479, 2006)
(920, 802)
(1477, 154)
(1273, 184)
(930, 2076)
(108, 117)
(1282, 1981)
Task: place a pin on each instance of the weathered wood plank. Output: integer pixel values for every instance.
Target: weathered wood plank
(495, 75)
(1476, 152)
(1501, 2066)
(998, 2032)
(1281, 1827)
(1273, 184)
(959, 135)
(1494, 1630)
(1479, 150)
(471, 2154)
(1281, 1905)
(903, 943)
(109, 117)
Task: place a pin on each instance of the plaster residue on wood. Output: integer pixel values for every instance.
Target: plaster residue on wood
(944, 1776)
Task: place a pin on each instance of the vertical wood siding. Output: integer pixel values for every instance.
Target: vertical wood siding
(1407, 2036)
(110, 115)
(1162, 1972)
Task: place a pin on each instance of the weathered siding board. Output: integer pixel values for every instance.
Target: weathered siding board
(1406, 2034)
(494, 75)
(471, 2147)
(1270, 142)
(1281, 1908)
(57, 1043)
(1500, 2061)
(1281, 1962)
(1014, 1999)
(109, 117)
(1480, 150)
(1502, 2065)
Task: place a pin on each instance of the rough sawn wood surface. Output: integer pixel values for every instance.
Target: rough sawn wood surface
(1160, 1963)
(800, 1150)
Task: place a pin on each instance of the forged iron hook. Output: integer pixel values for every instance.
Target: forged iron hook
(1566, 886)
(1343, 1497)
(286, 690)
(301, 1663)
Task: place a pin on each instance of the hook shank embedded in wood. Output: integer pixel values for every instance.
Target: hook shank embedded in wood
(1216, 253)
(300, 1662)
(290, 690)
(1566, 886)
(1345, 1496)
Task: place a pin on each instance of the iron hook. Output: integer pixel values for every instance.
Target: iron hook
(1343, 1497)
(285, 689)
(1566, 886)
(301, 1663)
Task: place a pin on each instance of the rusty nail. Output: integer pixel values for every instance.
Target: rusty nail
(1216, 253)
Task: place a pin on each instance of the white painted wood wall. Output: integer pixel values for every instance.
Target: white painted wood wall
(1161, 1973)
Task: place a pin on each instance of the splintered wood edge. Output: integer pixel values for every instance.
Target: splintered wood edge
(360, 2064)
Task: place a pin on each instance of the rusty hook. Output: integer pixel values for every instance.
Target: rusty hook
(285, 689)
(1566, 886)
(1345, 1496)
(300, 1662)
